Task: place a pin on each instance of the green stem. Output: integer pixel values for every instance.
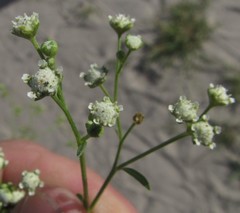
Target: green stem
(61, 103)
(113, 170)
(160, 146)
(206, 110)
(119, 128)
(82, 160)
(119, 47)
(118, 72)
(104, 90)
(37, 47)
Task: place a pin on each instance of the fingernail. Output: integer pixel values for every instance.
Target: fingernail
(51, 200)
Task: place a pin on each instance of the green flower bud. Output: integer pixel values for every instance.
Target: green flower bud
(121, 23)
(134, 42)
(26, 26)
(94, 130)
(218, 96)
(49, 48)
(121, 55)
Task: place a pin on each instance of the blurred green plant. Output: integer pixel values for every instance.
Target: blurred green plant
(17, 112)
(3, 90)
(180, 35)
(78, 12)
(234, 167)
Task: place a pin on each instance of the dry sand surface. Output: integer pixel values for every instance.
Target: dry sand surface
(184, 178)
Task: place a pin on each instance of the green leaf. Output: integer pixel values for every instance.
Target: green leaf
(138, 176)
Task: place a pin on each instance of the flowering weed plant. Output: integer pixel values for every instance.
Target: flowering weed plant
(103, 113)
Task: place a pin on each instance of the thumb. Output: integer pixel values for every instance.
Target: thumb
(51, 200)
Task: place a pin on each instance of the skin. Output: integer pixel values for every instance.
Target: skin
(58, 171)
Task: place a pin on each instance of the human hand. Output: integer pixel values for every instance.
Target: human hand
(61, 178)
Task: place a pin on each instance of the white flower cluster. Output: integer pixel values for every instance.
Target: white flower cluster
(198, 127)
(26, 26)
(184, 110)
(3, 161)
(218, 96)
(9, 195)
(95, 76)
(31, 181)
(105, 112)
(121, 23)
(44, 83)
(203, 133)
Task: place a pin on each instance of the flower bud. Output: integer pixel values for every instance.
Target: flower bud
(26, 26)
(138, 118)
(49, 48)
(95, 76)
(218, 96)
(121, 55)
(121, 23)
(94, 130)
(134, 42)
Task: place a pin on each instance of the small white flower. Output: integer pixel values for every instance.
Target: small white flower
(105, 112)
(3, 161)
(26, 26)
(203, 133)
(44, 83)
(95, 76)
(31, 181)
(134, 42)
(121, 23)
(184, 110)
(218, 96)
(26, 78)
(9, 194)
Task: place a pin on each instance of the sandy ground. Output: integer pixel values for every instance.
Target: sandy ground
(184, 178)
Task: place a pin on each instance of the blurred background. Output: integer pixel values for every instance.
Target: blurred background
(188, 44)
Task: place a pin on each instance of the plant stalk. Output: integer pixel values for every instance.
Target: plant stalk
(113, 170)
(61, 103)
(160, 146)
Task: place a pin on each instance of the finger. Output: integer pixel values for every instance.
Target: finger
(58, 171)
